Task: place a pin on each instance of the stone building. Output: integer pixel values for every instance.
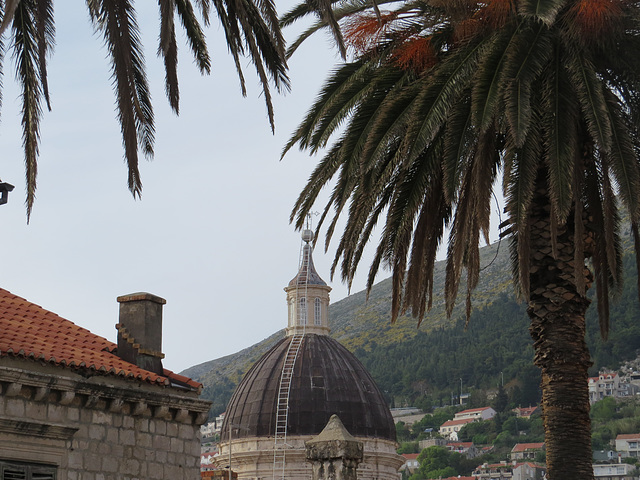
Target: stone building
(76, 406)
(289, 395)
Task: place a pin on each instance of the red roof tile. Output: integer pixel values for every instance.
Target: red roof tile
(628, 436)
(460, 444)
(449, 423)
(474, 410)
(522, 447)
(31, 332)
(410, 456)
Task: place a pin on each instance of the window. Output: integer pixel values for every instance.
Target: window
(26, 471)
(302, 314)
(317, 318)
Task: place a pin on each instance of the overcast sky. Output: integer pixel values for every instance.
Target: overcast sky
(211, 234)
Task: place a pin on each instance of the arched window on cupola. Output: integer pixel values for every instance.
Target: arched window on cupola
(302, 311)
(317, 314)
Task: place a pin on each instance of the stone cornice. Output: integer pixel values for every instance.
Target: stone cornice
(36, 429)
(111, 394)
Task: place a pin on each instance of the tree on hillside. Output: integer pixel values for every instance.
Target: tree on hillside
(251, 30)
(441, 102)
(436, 462)
(501, 400)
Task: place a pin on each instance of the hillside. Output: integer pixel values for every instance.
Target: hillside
(426, 366)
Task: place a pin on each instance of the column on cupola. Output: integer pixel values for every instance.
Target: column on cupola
(307, 296)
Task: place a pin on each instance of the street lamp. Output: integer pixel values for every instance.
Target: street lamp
(231, 427)
(5, 188)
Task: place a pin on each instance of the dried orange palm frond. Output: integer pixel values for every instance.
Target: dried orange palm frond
(596, 18)
(416, 54)
(466, 29)
(496, 13)
(363, 32)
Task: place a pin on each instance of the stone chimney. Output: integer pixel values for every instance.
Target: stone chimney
(140, 330)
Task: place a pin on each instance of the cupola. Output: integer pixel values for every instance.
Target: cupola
(307, 296)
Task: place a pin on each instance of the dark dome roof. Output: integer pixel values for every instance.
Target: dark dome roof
(327, 380)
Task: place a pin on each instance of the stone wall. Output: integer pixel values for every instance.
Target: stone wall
(252, 458)
(98, 428)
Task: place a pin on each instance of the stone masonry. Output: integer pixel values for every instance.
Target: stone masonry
(94, 427)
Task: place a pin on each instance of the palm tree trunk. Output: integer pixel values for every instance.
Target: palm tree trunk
(557, 312)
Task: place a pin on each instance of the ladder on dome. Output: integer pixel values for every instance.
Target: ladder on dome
(282, 410)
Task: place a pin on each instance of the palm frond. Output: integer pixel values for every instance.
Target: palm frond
(344, 88)
(10, 7)
(526, 58)
(439, 91)
(561, 137)
(636, 244)
(543, 10)
(27, 53)
(459, 146)
(45, 29)
(486, 83)
(116, 20)
(194, 34)
(519, 183)
(168, 50)
(428, 235)
(591, 97)
(624, 161)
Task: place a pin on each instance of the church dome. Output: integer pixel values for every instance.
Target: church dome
(327, 379)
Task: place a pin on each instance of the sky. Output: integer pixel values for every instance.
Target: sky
(211, 234)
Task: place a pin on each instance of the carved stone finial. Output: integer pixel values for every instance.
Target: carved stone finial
(334, 453)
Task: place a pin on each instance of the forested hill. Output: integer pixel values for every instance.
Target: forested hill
(425, 366)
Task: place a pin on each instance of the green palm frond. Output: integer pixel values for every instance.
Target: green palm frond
(116, 20)
(600, 260)
(543, 10)
(459, 146)
(487, 80)
(28, 34)
(561, 136)
(591, 98)
(526, 58)
(439, 91)
(427, 238)
(344, 87)
(9, 11)
(194, 35)
(168, 50)
(623, 159)
(45, 29)
(264, 47)
(520, 93)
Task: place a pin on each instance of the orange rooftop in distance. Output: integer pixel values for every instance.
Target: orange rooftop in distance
(33, 333)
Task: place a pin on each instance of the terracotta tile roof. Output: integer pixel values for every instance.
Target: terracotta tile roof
(410, 456)
(474, 410)
(31, 332)
(525, 410)
(628, 436)
(460, 444)
(523, 447)
(461, 421)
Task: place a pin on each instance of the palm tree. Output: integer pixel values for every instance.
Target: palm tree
(28, 30)
(446, 98)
